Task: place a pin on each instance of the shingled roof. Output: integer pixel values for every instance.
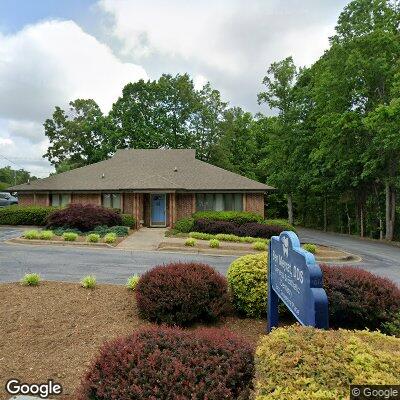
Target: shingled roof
(141, 170)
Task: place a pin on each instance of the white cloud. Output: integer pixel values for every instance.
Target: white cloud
(231, 42)
(48, 64)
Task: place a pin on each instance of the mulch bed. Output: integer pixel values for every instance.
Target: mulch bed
(54, 330)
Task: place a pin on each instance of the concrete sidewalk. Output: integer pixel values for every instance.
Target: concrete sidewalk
(144, 239)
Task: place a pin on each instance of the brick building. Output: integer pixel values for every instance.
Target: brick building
(158, 187)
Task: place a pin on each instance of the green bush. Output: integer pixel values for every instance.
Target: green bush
(132, 282)
(70, 236)
(238, 217)
(282, 223)
(128, 220)
(303, 363)
(190, 242)
(312, 248)
(46, 235)
(110, 238)
(392, 327)
(214, 243)
(61, 231)
(259, 246)
(247, 279)
(201, 236)
(25, 215)
(226, 237)
(88, 282)
(30, 280)
(184, 225)
(93, 238)
(32, 234)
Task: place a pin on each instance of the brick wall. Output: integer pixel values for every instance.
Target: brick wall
(185, 205)
(86, 198)
(42, 200)
(128, 200)
(25, 199)
(254, 202)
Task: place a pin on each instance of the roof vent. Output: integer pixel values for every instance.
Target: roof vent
(176, 169)
(102, 176)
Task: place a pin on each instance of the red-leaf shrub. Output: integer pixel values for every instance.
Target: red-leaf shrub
(258, 230)
(253, 229)
(83, 217)
(359, 299)
(182, 294)
(160, 363)
(208, 226)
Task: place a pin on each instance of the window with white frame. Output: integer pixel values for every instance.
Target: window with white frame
(219, 202)
(60, 199)
(111, 200)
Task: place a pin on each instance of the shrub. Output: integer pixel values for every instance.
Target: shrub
(119, 230)
(61, 231)
(128, 220)
(282, 223)
(312, 248)
(214, 243)
(32, 234)
(84, 217)
(190, 242)
(201, 235)
(226, 237)
(259, 246)
(182, 294)
(88, 282)
(392, 327)
(238, 217)
(46, 235)
(25, 215)
(303, 363)
(184, 225)
(93, 238)
(169, 363)
(70, 236)
(257, 230)
(359, 299)
(110, 238)
(132, 282)
(208, 226)
(247, 279)
(30, 280)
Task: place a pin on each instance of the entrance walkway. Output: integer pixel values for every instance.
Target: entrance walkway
(144, 239)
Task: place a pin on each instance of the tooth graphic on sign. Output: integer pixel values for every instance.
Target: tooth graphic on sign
(285, 243)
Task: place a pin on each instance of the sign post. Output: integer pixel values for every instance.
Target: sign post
(296, 279)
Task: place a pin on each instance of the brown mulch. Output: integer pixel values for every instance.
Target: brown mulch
(54, 330)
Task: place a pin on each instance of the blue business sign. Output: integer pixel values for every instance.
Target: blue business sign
(296, 279)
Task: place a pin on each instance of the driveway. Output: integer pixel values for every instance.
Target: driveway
(73, 263)
(379, 258)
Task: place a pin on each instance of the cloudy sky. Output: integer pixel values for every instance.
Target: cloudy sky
(54, 51)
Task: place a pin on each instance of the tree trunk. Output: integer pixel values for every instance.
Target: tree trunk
(290, 208)
(390, 210)
(348, 220)
(361, 220)
(325, 215)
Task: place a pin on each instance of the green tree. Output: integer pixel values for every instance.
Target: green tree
(11, 177)
(77, 137)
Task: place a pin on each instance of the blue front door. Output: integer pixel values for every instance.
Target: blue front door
(158, 206)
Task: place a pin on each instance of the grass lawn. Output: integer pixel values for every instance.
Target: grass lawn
(54, 330)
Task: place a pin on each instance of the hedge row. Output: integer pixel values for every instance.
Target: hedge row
(238, 217)
(253, 229)
(168, 363)
(298, 363)
(357, 298)
(75, 216)
(25, 215)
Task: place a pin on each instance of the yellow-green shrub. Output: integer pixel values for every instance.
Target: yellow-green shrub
(299, 363)
(70, 236)
(110, 238)
(191, 242)
(46, 235)
(214, 243)
(247, 279)
(312, 248)
(93, 238)
(259, 246)
(32, 234)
